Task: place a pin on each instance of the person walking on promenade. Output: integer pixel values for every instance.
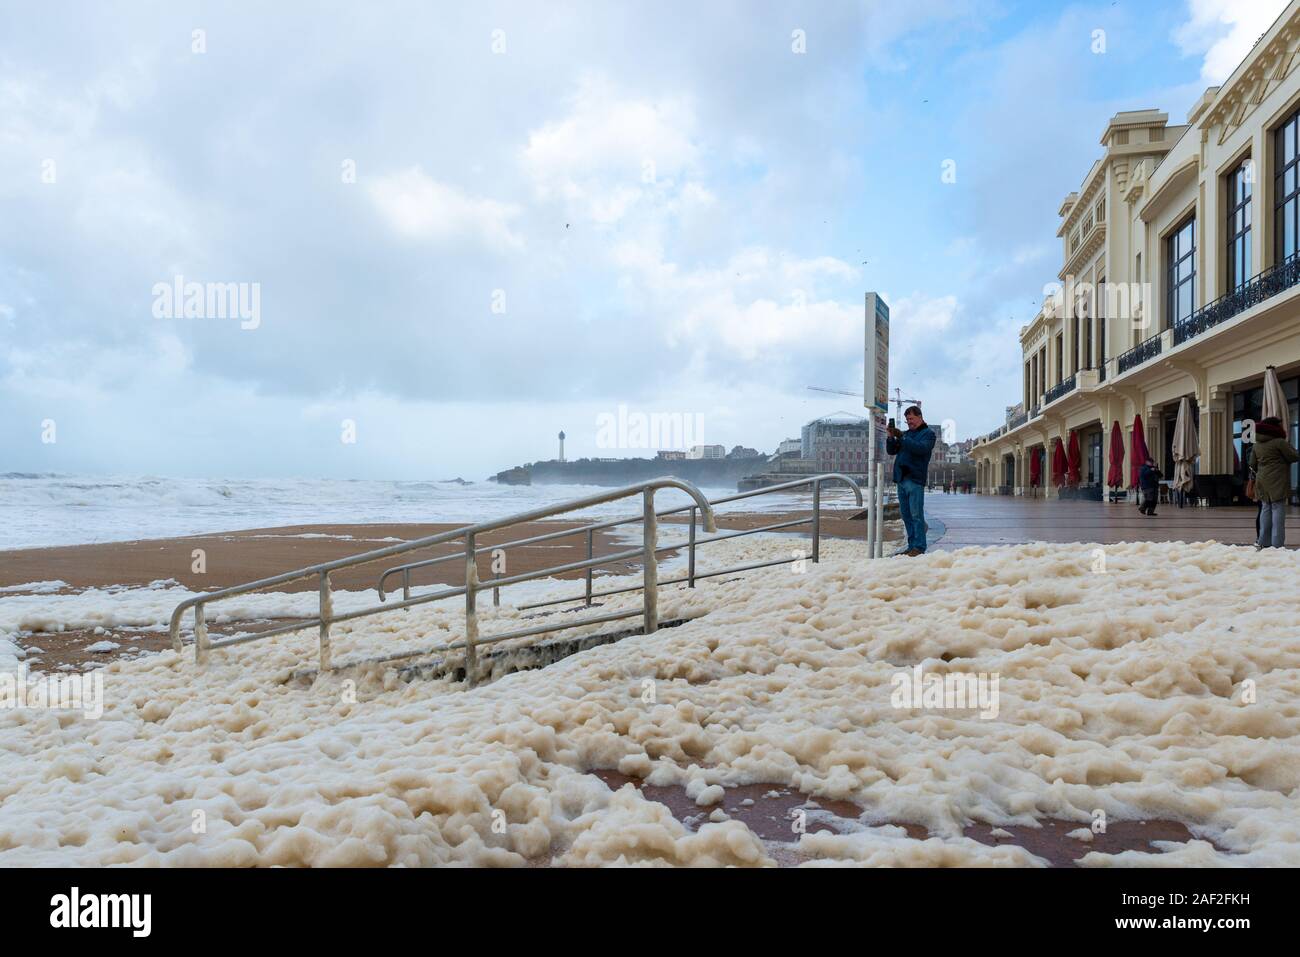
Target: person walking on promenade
(1271, 459)
(1149, 482)
(911, 451)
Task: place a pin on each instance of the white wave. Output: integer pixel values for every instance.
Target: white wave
(48, 510)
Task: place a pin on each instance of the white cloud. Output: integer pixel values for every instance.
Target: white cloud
(419, 207)
(1224, 31)
(760, 305)
(611, 150)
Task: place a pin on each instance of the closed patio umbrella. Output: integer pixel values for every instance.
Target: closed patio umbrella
(1138, 447)
(1059, 463)
(1075, 474)
(1035, 468)
(1275, 403)
(1115, 474)
(1186, 446)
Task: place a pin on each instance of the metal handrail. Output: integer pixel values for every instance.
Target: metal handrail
(589, 530)
(326, 617)
(691, 543)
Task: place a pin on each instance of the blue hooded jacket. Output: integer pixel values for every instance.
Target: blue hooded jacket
(911, 453)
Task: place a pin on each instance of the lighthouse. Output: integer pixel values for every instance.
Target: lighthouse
(561, 446)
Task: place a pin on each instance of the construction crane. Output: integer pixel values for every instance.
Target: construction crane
(898, 397)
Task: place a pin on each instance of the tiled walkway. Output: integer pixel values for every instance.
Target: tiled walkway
(1008, 520)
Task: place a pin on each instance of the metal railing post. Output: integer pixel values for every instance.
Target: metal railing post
(406, 584)
(496, 591)
(471, 611)
(589, 570)
(200, 635)
(326, 616)
(817, 522)
(690, 555)
(650, 581)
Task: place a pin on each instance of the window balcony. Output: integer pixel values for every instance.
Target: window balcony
(1061, 389)
(1148, 349)
(1274, 280)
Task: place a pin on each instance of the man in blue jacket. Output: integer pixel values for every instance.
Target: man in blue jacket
(911, 451)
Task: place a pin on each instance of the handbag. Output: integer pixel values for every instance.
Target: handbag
(1250, 487)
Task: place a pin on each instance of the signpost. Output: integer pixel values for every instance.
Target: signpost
(875, 397)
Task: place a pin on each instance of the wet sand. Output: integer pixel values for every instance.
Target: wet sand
(234, 558)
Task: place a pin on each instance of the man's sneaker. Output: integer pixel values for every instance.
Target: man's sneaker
(913, 552)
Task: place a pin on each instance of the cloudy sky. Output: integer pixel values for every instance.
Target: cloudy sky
(471, 225)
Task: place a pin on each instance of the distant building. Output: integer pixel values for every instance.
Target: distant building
(669, 455)
(741, 452)
(1015, 410)
(790, 447)
(707, 452)
(561, 446)
(838, 443)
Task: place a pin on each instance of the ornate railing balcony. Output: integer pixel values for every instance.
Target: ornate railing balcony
(1035, 412)
(1016, 421)
(1139, 354)
(1101, 371)
(1252, 292)
(1060, 389)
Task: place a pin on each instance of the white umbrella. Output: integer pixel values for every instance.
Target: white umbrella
(1275, 403)
(1186, 446)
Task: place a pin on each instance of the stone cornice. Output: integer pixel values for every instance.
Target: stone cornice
(1093, 242)
(1272, 59)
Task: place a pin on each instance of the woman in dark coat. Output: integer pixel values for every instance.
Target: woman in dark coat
(1271, 459)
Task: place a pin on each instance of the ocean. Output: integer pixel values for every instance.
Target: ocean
(39, 510)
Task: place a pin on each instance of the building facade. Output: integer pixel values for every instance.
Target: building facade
(1180, 277)
(839, 443)
(707, 452)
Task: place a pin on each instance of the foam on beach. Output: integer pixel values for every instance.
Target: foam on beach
(1159, 682)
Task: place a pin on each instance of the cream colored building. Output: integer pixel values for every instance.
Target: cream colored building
(1180, 277)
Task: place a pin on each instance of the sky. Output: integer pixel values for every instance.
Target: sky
(459, 228)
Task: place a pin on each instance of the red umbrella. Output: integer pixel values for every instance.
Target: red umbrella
(1139, 449)
(1035, 468)
(1059, 463)
(1115, 475)
(1075, 474)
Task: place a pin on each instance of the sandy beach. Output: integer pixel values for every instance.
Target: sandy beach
(237, 557)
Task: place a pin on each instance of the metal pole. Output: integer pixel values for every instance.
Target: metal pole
(589, 570)
(690, 554)
(871, 478)
(471, 610)
(650, 582)
(200, 635)
(880, 510)
(496, 592)
(817, 522)
(326, 616)
(406, 584)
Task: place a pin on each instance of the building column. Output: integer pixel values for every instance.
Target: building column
(1216, 433)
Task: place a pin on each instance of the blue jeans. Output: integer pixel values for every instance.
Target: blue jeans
(911, 505)
(1272, 524)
